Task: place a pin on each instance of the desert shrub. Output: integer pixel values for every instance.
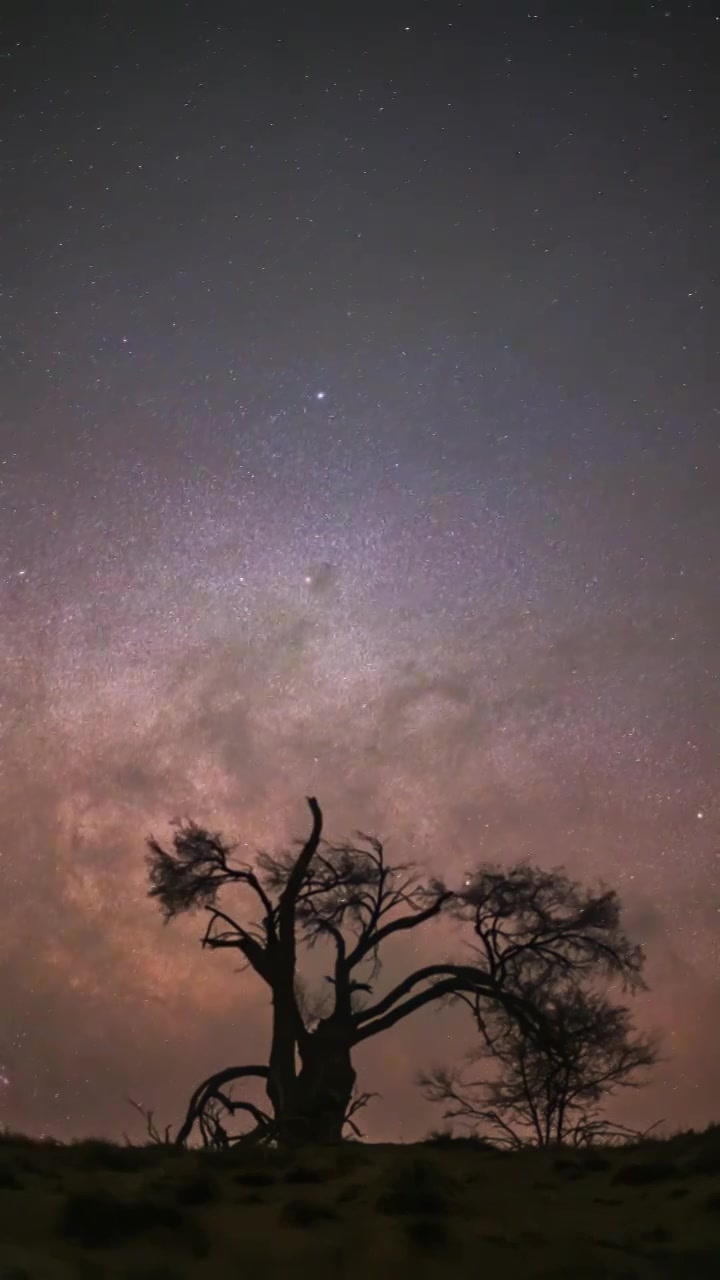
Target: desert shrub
(591, 1271)
(11, 1138)
(581, 1163)
(593, 1162)
(88, 1269)
(428, 1235)
(243, 1157)
(350, 1192)
(416, 1187)
(502, 1239)
(153, 1272)
(9, 1180)
(706, 1161)
(30, 1164)
(95, 1154)
(532, 1237)
(306, 1213)
(350, 1157)
(198, 1189)
(103, 1222)
(712, 1203)
(656, 1235)
(302, 1173)
(254, 1179)
(690, 1264)
(444, 1138)
(639, 1175)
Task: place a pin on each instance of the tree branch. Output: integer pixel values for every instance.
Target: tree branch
(235, 1104)
(255, 953)
(399, 925)
(446, 988)
(207, 1088)
(458, 973)
(303, 860)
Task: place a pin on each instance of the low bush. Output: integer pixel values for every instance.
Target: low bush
(196, 1190)
(306, 1213)
(160, 1272)
(444, 1138)
(96, 1154)
(257, 1179)
(656, 1235)
(103, 1222)
(428, 1235)
(416, 1187)
(301, 1173)
(706, 1161)
(9, 1180)
(640, 1175)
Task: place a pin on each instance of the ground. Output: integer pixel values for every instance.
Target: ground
(94, 1211)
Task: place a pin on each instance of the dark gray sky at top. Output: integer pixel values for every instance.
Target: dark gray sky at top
(358, 436)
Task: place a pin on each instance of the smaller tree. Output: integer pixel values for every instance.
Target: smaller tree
(539, 1092)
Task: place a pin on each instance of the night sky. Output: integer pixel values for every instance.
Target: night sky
(359, 437)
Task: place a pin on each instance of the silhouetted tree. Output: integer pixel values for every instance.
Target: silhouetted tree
(550, 1088)
(538, 1093)
(525, 922)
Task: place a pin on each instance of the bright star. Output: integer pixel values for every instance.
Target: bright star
(319, 395)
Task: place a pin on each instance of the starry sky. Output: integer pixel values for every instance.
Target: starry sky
(360, 437)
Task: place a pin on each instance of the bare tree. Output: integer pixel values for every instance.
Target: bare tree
(348, 895)
(536, 1092)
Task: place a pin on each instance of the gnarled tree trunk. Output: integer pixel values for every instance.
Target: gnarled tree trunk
(314, 1111)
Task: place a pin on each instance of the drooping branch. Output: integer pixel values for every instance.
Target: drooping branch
(209, 1087)
(232, 1105)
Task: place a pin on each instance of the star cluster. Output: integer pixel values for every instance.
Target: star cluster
(359, 437)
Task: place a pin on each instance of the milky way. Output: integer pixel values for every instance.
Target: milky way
(359, 437)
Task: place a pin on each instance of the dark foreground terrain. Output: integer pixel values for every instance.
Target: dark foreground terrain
(91, 1211)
